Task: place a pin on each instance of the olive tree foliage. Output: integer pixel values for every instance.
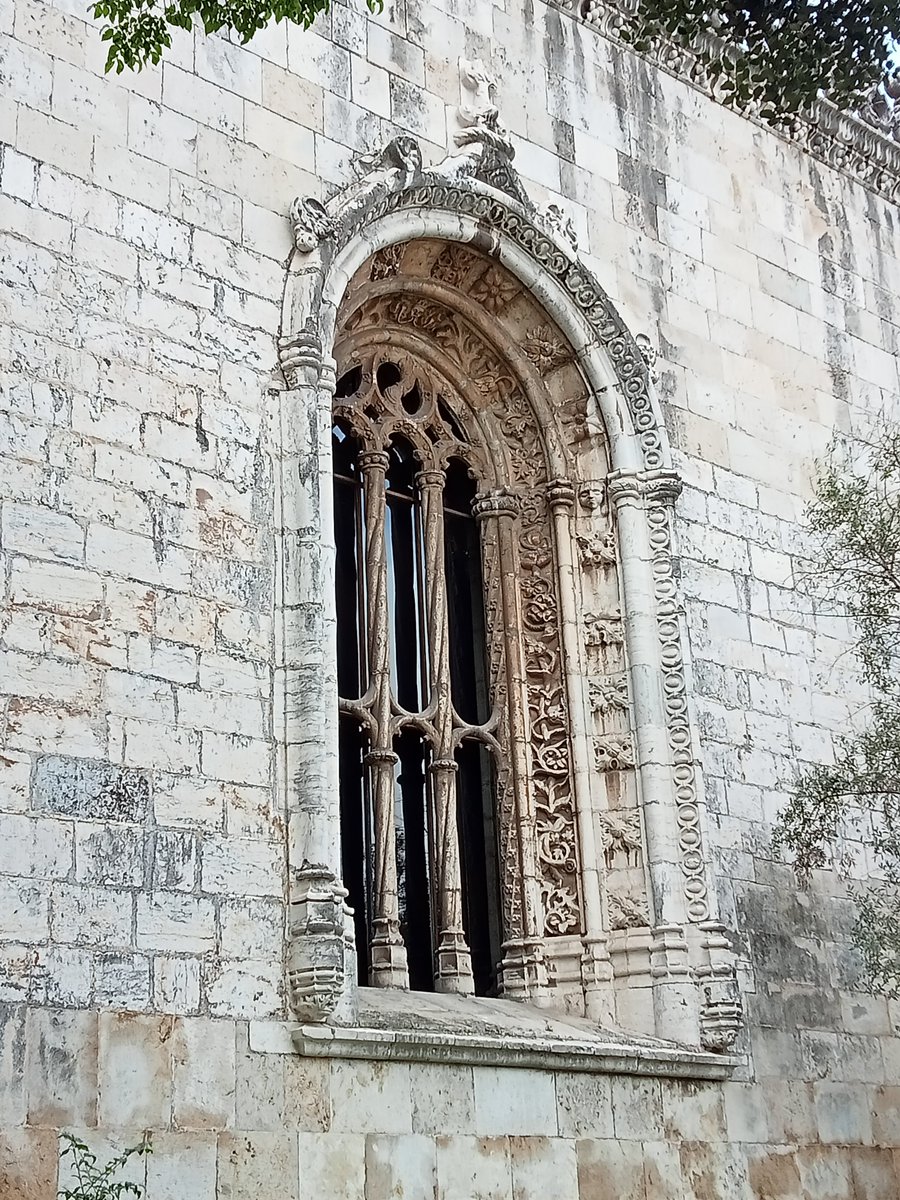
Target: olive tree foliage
(775, 57)
(853, 804)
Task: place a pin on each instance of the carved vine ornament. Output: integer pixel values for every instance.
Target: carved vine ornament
(521, 510)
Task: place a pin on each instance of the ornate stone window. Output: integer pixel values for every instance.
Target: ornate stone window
(491, 774)
(457, 770)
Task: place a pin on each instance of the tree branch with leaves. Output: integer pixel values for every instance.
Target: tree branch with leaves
(855, 523)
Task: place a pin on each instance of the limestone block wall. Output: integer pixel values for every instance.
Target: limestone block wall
(142, 849)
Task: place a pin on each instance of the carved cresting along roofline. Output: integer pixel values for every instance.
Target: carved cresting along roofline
(864, 145)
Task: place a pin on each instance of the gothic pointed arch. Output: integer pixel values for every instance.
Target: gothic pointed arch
(481, 305)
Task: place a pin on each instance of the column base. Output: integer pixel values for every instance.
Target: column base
(454, 964)
(387, 956)
(523, 972)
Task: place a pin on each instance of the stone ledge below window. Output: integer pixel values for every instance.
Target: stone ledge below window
(422, 1027)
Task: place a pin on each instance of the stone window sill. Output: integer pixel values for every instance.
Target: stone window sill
(418, 1027)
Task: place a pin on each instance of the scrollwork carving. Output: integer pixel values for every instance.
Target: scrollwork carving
(386, 262)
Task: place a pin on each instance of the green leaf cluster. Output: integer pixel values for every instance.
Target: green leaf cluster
(774, 57)
(96, 1182)
(138, 31)
(855, 521)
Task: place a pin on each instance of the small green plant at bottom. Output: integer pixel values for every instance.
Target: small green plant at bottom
(96, 1182)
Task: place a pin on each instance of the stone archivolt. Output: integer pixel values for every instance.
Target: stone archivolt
(467, 325)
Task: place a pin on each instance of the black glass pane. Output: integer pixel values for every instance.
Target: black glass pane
(356, 835)
(478, 847)
(465, 598)
(405, 577)
(414, 859)
(349, 567)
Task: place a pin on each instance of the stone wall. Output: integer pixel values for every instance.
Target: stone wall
(142, 848)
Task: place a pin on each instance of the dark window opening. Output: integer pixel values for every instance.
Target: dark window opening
(407, 623)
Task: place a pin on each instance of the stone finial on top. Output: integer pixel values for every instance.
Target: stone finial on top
(481, 137)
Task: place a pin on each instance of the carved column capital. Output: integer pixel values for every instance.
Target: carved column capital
(302, 360)
(662, 486)
(431, 479)
(496, 503)
(658, 486)
(561, 495)
(373, 460)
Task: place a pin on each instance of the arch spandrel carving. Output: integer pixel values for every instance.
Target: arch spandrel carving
(476, 260)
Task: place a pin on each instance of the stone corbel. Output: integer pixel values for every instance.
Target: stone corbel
(317, 946)
(721, 1011)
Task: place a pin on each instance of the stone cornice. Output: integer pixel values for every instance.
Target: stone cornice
(840, 140)
(496, 1050)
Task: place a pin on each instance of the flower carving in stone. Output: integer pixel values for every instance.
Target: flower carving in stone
(627, 910)
(544, 350)
(621, 830)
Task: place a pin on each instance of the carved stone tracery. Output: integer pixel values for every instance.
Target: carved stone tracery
(505, 453)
